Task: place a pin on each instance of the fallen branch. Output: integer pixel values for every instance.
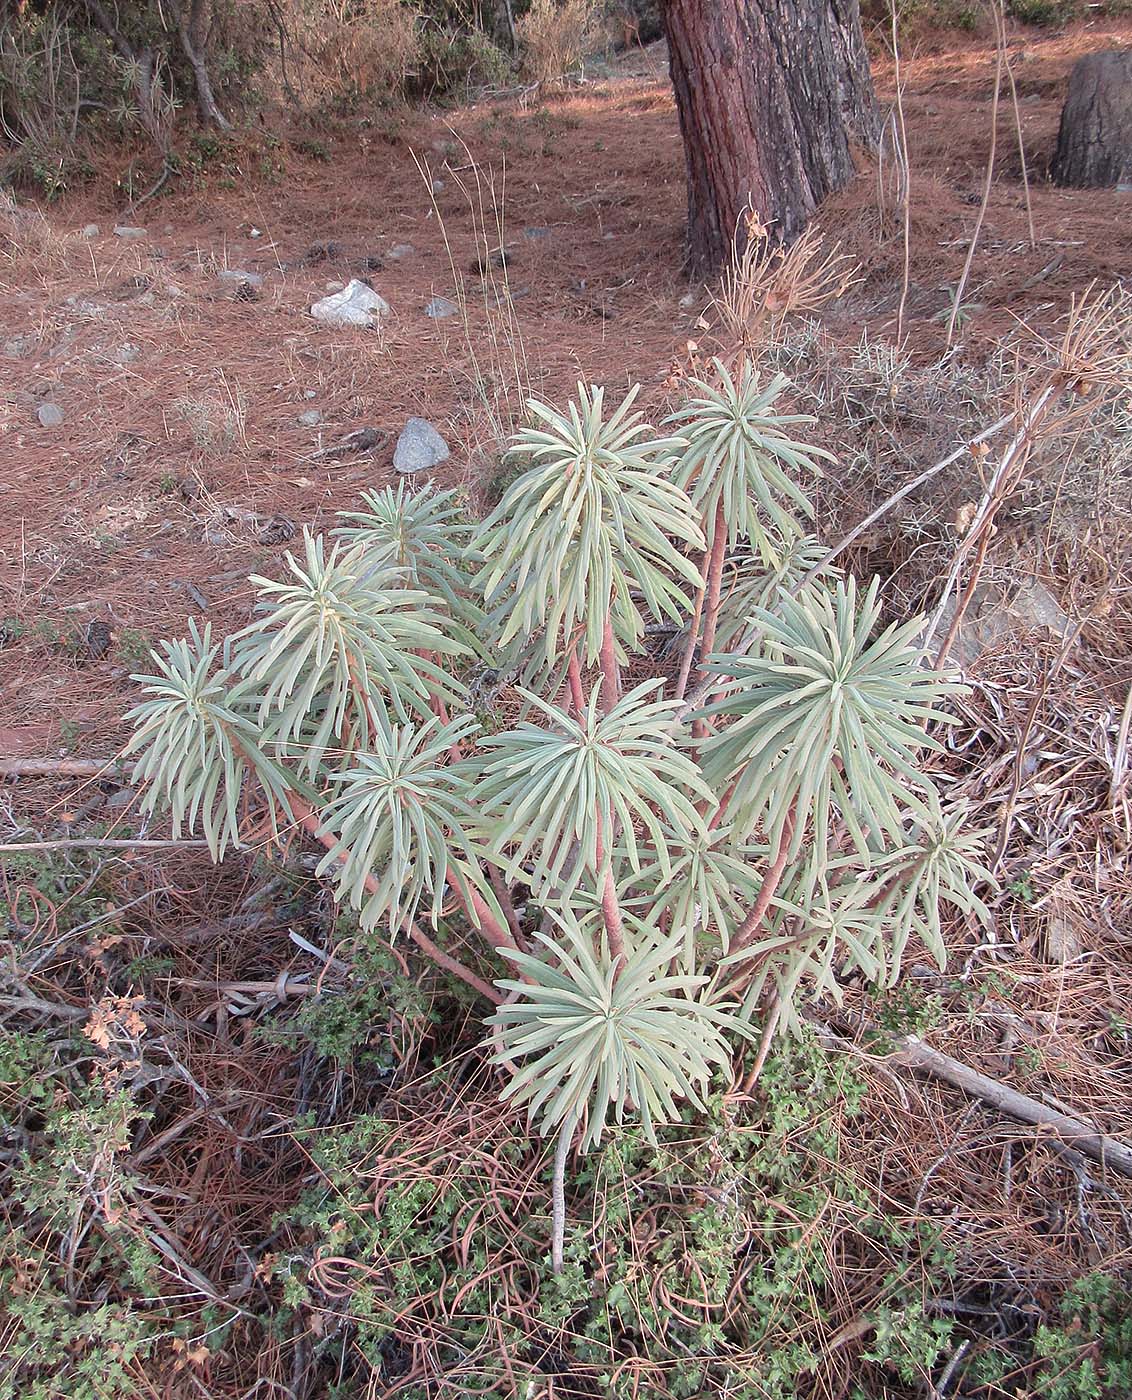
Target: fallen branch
(59, 767)
(913, 1054)
(94, 843)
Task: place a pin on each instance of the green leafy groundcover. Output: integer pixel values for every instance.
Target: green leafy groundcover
(737, 1258)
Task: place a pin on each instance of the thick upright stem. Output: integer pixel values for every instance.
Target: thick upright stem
(713, 591)
(558, 1196)
(574, 680)
(610, 671)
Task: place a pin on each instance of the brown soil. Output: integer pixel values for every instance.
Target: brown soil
(120, 515)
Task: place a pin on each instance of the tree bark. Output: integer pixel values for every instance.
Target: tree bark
(772, 95)
(1094, 144)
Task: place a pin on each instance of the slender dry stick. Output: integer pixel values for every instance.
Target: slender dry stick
(92, 843)
(907, 183)
(987, 181)
(992, 497)
(1000, 23)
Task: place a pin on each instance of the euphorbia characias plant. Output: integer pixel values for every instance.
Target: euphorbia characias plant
(692, 850)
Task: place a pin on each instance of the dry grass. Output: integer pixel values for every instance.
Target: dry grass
(554, 35)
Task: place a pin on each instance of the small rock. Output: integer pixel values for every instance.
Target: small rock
(91, 231)
(310, 393)
(235, 274)
(532, 235)
(50, 415)
(124, 354)
(20, 346)
(440, 307)
(128, 231)
(338, 286)
(419, 447)
(355, 305)
(255, 233)
(688, 300)
(399, 251)
(146, 299)
(310, 418)
(438, 187)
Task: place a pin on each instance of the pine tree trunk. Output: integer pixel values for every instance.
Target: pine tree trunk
(1094, 144)
(772, 94)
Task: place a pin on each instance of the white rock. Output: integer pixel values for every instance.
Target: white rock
(128, 231)
(419, 447)
(50, 415)
(439, 307)
(355, 305)
(91, 231)
(399, 251)
(310, 418)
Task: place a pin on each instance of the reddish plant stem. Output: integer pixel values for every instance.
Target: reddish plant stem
(451, 964)
(773, 878)
(693, 634)
(507, 904)
(714, 590)
(610, 672)
(480, 914)
(610, 908)
(307, 818)
(574, 679)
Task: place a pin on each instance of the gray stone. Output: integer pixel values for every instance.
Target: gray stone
(91, 231)
(399, 251)
(50, 415)
(996, 615)
(129, 232)
(419, 447)
(310, 418)
(534, 234)
(124, 354)
(310, 393)
(355, 305)
(440, 307)
(20, 346)
(438, 187)
(238, 275)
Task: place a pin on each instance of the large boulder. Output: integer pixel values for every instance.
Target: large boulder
(1094, 145)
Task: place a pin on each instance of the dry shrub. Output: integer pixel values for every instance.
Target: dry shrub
(351, 48)
(765, 284)
(554, 35)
